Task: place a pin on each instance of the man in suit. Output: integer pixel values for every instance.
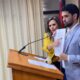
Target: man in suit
(71, 53)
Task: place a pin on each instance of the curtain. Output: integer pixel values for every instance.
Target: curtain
(20, 23)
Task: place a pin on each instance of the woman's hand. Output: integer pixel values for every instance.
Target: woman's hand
(54, 44)
(48, 60)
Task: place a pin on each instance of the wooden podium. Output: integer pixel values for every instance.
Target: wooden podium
(23, 70)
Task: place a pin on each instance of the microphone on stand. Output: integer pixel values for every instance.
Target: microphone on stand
(30, 43)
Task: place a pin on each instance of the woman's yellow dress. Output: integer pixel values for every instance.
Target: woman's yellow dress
(46, 42)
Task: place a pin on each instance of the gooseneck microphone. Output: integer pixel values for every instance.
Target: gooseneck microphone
(30, 43)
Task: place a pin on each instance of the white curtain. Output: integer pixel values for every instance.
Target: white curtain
(20, 23)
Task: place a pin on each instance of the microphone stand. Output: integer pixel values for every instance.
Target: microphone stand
(30, 43)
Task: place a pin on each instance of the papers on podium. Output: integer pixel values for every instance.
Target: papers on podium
(60, 34)
(42, 64)
(39, 58)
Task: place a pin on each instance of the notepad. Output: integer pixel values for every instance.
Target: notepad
(42, 64)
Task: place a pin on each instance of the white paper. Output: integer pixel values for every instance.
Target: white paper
(60, 34)
(39, 58)
(43, 64)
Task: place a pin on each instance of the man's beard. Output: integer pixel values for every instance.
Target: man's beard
(69, 25)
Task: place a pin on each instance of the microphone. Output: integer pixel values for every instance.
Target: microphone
(30, 43)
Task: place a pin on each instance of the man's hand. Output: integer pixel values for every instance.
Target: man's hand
(63, 56)
(56, 42)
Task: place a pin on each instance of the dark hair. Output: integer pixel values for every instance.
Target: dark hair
(57, 21)
(72, 9)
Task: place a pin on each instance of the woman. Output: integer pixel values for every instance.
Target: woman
(48, 43)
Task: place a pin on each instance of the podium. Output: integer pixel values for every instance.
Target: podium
(23, 70)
